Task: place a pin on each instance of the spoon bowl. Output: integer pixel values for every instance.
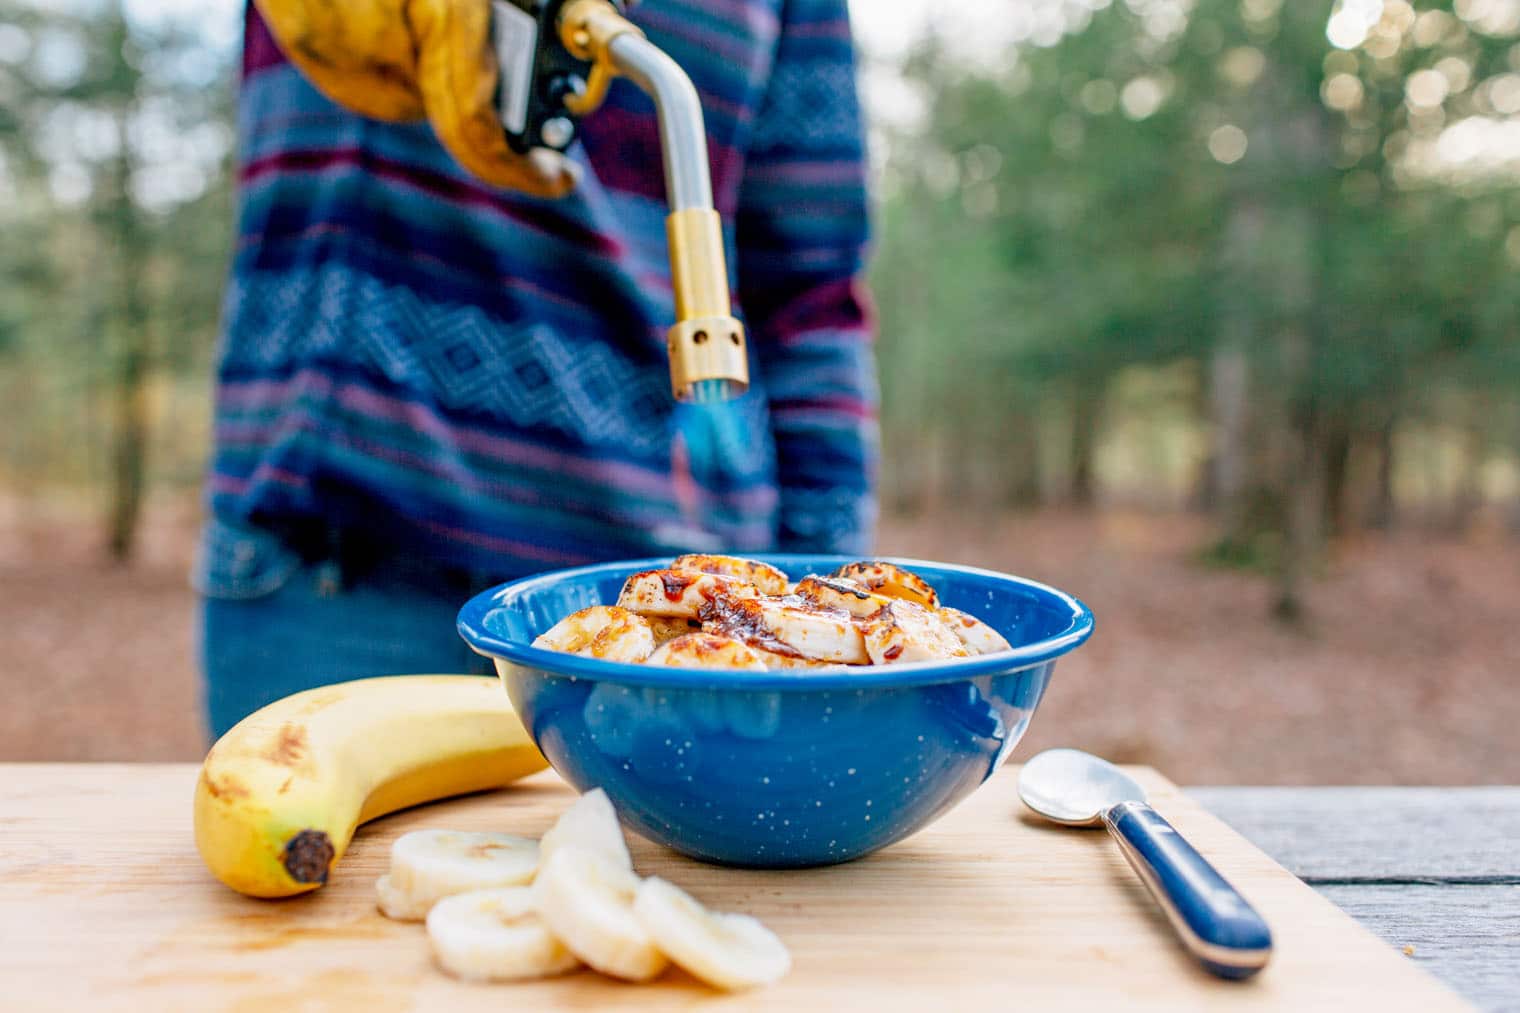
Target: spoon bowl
(1073, 788)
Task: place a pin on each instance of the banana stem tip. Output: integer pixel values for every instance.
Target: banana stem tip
(307, 856)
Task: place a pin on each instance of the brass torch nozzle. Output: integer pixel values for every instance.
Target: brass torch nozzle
(708, 360)
(706, 343)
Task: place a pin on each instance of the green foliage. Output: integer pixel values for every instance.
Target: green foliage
(1134, 197)
(114, 231)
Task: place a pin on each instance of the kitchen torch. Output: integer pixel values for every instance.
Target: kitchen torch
(557, 60)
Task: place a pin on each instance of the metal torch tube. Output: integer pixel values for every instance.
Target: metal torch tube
(706, 343)
(682, 138)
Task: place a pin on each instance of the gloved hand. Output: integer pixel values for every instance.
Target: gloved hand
(408, 59)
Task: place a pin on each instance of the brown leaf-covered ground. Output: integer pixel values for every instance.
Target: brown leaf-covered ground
(1408, 671)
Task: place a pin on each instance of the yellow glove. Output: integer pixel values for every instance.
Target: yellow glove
(408, 59)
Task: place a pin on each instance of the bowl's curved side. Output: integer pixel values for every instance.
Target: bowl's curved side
(771, 778)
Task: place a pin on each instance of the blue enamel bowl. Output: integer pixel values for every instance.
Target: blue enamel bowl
(785, 768)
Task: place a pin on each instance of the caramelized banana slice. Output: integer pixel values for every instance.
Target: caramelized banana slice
(788, 626)
(679, 594)
(707, 650)
(778, 662)
(601, 631)
(892, 581)
(840, 593)
(775, 660)
(903, 631)
(978, 637)
(666, 630)
(763, 575)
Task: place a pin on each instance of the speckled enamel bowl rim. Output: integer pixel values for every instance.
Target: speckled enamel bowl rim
(472, 626)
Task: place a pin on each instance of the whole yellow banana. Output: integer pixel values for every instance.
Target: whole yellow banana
(281, 794)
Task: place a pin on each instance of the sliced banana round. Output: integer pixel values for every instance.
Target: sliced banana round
(665, 629)
(429, 865)
(495, 935)
(396, 905)
(730, 951)
(978, 637)
(903, 631)
(789, 626)
(679, 594)
(590, 823)
(840, 593)
(587, 901)
(707, 650)
(891, 580)
(775, 661)
(601, 631)
(763, 575)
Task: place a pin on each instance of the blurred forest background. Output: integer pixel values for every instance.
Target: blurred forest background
(1242, 256)
(1207, 310)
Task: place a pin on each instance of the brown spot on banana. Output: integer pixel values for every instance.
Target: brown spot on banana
(290, 747)
(226, 786)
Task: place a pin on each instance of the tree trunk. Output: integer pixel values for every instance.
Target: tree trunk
(1306, 508)
(1244, 414)
(129, 448)
(1514, 506)
(1337, 467)
(1087, 403)
(1381, 517)
(900, 473)
(1019, 461)
(1308, 291)
(1229, 410)
(965, 467)
(1469, 494)
(129, 395)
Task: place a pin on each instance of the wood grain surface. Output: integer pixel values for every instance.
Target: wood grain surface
(107, 906)
(1467, 936)
(1433, 870)
(1379, 835)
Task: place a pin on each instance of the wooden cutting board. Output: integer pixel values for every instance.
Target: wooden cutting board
(105, 904)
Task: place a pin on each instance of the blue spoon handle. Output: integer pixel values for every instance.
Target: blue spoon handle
(1215, 922)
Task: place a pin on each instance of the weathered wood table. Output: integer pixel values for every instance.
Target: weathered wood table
(107, 907)
(1434, 871)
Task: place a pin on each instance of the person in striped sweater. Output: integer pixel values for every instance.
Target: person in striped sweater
(428, 383)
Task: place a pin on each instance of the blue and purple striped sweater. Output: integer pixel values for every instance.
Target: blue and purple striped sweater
(482, 376)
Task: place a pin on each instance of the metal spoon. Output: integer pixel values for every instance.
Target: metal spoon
(1215, 922)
